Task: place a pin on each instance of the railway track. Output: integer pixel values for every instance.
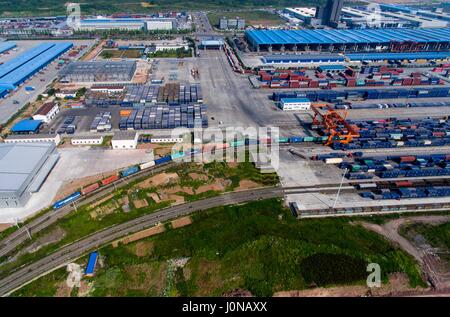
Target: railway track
(19, 236)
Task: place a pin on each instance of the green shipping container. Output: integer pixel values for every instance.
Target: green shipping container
(283, 140)
(238, 143)
(308, 139)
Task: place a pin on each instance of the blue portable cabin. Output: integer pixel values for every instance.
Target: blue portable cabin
(90, 268)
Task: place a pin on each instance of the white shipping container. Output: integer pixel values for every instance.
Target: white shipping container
(333, 160)
(400, 143)
(147, 165)
(427, 142)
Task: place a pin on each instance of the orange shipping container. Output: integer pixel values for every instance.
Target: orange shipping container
(89, 188)
(125, 113)
(110, 179)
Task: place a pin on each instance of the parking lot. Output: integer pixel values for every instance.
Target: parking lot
(17, 99)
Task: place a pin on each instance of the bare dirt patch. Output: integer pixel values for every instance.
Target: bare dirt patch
(105, 210)
(155, 197)
(63, 290)
(209, 277)
(159, 179)
(219, 185)
(181, 222)
(198, 176)
(178, 189)
(4, 226)
(141, 203)
(177, 199)
(144, 248)
(140, 235)
(101, 201)
(163, 151)
(247, 184)
(84, 288)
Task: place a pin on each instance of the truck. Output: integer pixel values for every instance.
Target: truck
(29, 88)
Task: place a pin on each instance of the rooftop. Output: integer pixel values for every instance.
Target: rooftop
(45, 108)
(26, 126)
(19, 161)
(31, 136)
(124, 135)
(292, 100)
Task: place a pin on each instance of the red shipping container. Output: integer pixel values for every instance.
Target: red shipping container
(313, 84)
(407, 159)
(89, 188)
(403, 184)
(110, 179)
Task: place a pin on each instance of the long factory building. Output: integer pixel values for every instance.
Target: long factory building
(430, 39)
(15, 72)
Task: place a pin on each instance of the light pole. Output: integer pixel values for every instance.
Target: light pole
(339, 190)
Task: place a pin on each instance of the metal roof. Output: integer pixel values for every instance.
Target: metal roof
(17, 70)
(211, 43)
(6, 46)
(351, 36)
(397, 56)
(26, 126)
(294, 100)
(302, 58)
(18, 162)
(331, 67)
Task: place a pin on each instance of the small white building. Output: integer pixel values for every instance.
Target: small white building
(112, 88)
(47, 112)
(287, 104)
(166, 140)
(66, 93)
(124, 140)
(87, 140)
(34, 138)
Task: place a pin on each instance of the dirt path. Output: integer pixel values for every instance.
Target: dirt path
(430, 263)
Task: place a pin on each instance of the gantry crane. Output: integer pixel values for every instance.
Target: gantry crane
(332, 122)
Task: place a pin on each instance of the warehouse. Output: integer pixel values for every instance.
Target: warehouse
(6, 46)
(46, 112)
(98, 71)
(160, 24)
(397, 56)
(124, 140)
(23, 170)
(211, 44)
(295, 104)
(128, 24)
(26, 126)
(14, 72)
(431, 39)
(303, 59)
(35, 138)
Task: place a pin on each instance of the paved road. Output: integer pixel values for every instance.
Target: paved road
(73, 251)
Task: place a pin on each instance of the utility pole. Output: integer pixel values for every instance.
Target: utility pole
(339, 190)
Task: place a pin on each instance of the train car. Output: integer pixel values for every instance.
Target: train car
(366, 186)
(144, 166)
(90, 268)
(177, 155)
(237, 143)
(109, 180)
(86, 190)
(67, 200)
(283, 140)
(296, 139)
(163, 159)
(222, 145)
(129, 171)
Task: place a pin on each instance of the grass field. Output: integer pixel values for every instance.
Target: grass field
(254, 17)
(89, 219)
(56, 7)
(258, 247)
(437, 236)
(121, 54)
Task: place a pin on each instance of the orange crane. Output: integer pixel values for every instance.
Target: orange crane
(332, 122)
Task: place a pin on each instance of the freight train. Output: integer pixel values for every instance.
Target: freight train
(175, 156)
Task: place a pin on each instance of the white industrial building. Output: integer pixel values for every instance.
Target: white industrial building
(287, 104)
(161, 24)
(34, 138)
(23, 170)
(306, 14)
(124, 140)
(47, 112)
(87, 140)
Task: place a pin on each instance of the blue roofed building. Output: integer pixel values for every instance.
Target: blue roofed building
(341, 40)
(303, 59)
(6, 46)
(397, 56)
(15, 72)
(26, 126)
(287, 104)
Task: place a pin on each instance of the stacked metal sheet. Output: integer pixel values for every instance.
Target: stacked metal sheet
(101, 122)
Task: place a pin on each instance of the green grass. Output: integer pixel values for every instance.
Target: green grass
(177, 53)
(258, 246)
(253, 17)
(79, 224)
(56, 7)
(438, 236)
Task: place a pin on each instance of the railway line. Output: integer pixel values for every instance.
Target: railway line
(19, 236)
